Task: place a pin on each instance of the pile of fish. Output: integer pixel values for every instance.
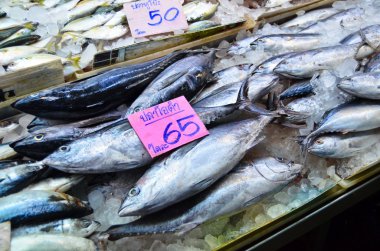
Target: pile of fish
(297, 77)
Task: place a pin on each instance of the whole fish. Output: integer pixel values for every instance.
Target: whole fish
(65, 6)
(15, 178)
(106, 32)
(306, 64)
(343, 146)
(270, 64)
(23, 40)
(10, 163)
(94, 95)
(117, 19)
(87, 23)
(201, 25)
(32, 60)
(7, 127)
(287, 42)
(7, 152)
(7, 23)
(310, 18)
(59, 184)
(362, 85)
(43, 142)
(25, 30)
(75, 227)
(185, 77)
(354, 116)
(9, 32)
(10, 54)
(40, 206)
(152, 192)
(198, 10)
(343, 17)
(301, 89)
(84, 8)
(374, 64)
(51, 242)
(244, 186)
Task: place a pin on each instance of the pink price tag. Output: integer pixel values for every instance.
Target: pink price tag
(149, 17)
(167, 126)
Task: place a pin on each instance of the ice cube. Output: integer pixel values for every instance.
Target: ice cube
(277, 210)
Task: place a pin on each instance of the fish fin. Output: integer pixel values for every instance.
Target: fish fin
(345, 132)
(186, 228)
(169, 80)
(130, 164)
(252, 108)
(204, 183)
(255, 142)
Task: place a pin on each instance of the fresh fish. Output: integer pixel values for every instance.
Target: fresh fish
(47, 43)
(24, 40)
(71, 38)
(95, 95)
(118, 18)
(87, 23)
(38, 123)
(343, 146)
(310, 17)
(258, 85)
(84, 8)
(301, 89)
(106, 32)
(11, 163)
(40, 206)
(7, 152)
(374, 64)
(185, 77)
(7, 127)
(45, 141)
(351, 117)
(198, 10)
(287, 42)
(9, 32)
(357, 37)
(152, 192)
(32, 60)
(299, 110)
(10, 54)
(343, 18)
(242, 46)
(66, 6)
(51, 242)
(25, 30)
(244, 186)
(15, 178)
(59, 184)
(7, 23)
(270, 64)
(75, 227)
(201, 25)
(362, 85)
(306, 64)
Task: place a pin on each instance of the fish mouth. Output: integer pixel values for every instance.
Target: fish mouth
(128, 208)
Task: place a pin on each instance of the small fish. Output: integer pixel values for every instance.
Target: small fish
(152, 193)
(84, 8)
(270, 64)
(51, 242)
(306, 64)
(118, 18)
(298, 90)
(25, 30)
(287, 42)
(106, 32)
(343, 146)
(354, 116)
(24, 40)
(59, 184)
(65, 6)
(198, 10)
(374, 64)
(10, 163)
(362, 85)
(15, 178)
(7, 152)
(184, 77)
(242, 187)
(7, 127)
(7, 23)
(310, 18)
(75, 227)
(10, 54)
(32, 60)
(9, 32)
(87, 23)
(201, 25)
(40, 206)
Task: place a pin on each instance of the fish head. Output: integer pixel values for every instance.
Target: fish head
(261, 43)
(323, 146)
(286, 69)
(86, 227)
(278, 169)
(346, 84)
(43, 142)
(31, 103)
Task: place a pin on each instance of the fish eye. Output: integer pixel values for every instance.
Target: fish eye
(85, 223)
(134, 191)
(319, 141)
(280, 159)
(39, 137)
(137, 109)
(64, 148)
(261, 67)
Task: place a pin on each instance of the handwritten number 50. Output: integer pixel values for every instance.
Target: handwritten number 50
(182, 128)
(170, 15)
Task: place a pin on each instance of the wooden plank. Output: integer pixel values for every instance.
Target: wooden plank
(5, 236)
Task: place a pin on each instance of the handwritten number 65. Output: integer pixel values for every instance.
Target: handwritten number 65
(170, 15)
(182, 128)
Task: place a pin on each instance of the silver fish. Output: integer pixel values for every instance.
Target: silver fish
(242, 46)
(270, 64)
(299, 110)
(76, 227)
(60, 184)
(287, 42)
(363, 85)
(201, 25)
(198, 10)
(350, 117)
(310, 18)
(51, 242)
(343, 146)
(244, 186)
(13, 179)
(306, 64)
(152, 192)
(374, 64)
